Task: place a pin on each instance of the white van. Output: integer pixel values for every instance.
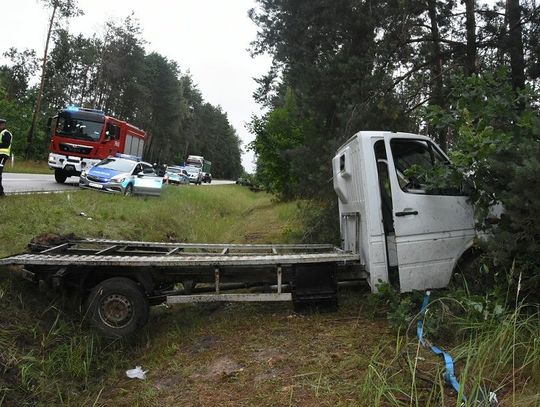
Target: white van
(404, 234)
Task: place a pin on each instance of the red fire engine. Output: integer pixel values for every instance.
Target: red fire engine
(82, 137)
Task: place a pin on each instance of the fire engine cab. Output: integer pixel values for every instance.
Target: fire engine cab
(83, 137)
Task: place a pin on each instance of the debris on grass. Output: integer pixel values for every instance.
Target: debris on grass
(136, 373)
(47, 240)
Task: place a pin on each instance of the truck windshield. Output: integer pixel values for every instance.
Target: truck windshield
(79, 128)
(194, 163)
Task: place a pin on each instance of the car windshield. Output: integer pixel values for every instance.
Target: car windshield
(116, 164)
(193, 170)
(79, 128)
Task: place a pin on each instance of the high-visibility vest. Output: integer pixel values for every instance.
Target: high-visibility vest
(7, 150)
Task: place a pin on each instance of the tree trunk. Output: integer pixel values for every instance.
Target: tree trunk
(41, 85)
(470, 25)
(515, 43)
(436, 68)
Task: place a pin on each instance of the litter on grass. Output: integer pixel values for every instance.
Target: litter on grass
(136, 373)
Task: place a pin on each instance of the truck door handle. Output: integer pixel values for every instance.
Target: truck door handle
(405, 213)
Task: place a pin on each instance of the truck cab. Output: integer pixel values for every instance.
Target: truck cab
(82, 137)
(405, 234)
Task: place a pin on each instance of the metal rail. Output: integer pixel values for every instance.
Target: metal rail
(93, 252)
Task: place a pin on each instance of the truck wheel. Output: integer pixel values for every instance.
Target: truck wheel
(129, 190)
(60, 176)
(117, 307)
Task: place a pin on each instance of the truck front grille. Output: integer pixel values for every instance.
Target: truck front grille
(75, 148)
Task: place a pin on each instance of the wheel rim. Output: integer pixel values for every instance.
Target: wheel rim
(116, 311)
(129, 190)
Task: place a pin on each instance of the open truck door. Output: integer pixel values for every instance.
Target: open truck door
(431, 230)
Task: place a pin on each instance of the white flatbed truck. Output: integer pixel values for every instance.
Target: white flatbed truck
(392, 230)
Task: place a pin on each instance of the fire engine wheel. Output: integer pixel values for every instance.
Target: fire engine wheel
(117, 307)
(60, 176)
(129, 190)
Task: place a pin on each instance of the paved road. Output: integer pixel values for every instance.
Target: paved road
(24, 183)
(33, 183)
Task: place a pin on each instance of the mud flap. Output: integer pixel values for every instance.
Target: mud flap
(314, 288)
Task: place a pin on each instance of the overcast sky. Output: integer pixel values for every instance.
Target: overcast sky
(207, 37)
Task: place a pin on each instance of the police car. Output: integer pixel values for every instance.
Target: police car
(176, 175)
(122, 174)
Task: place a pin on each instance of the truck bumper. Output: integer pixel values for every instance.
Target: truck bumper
(70, 164)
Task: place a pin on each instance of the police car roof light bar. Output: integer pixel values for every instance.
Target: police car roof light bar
(128, 157)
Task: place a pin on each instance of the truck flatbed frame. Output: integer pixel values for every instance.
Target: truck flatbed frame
(93, 252)
(121, 277)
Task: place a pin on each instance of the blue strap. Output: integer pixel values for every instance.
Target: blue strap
(449, 375)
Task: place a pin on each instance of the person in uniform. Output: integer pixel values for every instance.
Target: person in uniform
(5, 150)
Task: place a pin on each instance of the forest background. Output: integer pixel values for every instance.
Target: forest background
(112, 71)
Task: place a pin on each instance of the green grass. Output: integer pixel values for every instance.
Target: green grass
(213, 214)
(28, 167)
(230, 354)
(500, 354)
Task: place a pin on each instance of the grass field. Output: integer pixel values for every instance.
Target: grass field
(228, 354)
(28, 167)
(184, 214)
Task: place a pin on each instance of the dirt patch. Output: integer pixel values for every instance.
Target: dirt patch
(269, 356)
(167, 383)
(254, 237)
(205, 343)
(220, 369)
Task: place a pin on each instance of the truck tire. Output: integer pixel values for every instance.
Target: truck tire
(117, 307)
(60, 176)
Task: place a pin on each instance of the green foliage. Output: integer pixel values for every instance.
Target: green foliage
(279, 135)
(112, 71)
(497, 148)
(321, 221)
(375, 66)
(400, 310)
(493, 351)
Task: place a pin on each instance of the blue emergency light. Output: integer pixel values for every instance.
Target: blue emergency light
(73, 108)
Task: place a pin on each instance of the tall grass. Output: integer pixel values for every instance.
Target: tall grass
(500, 354)
(193, 214)
(47, 355)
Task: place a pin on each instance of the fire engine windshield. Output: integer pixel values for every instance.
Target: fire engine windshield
(82, 129)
